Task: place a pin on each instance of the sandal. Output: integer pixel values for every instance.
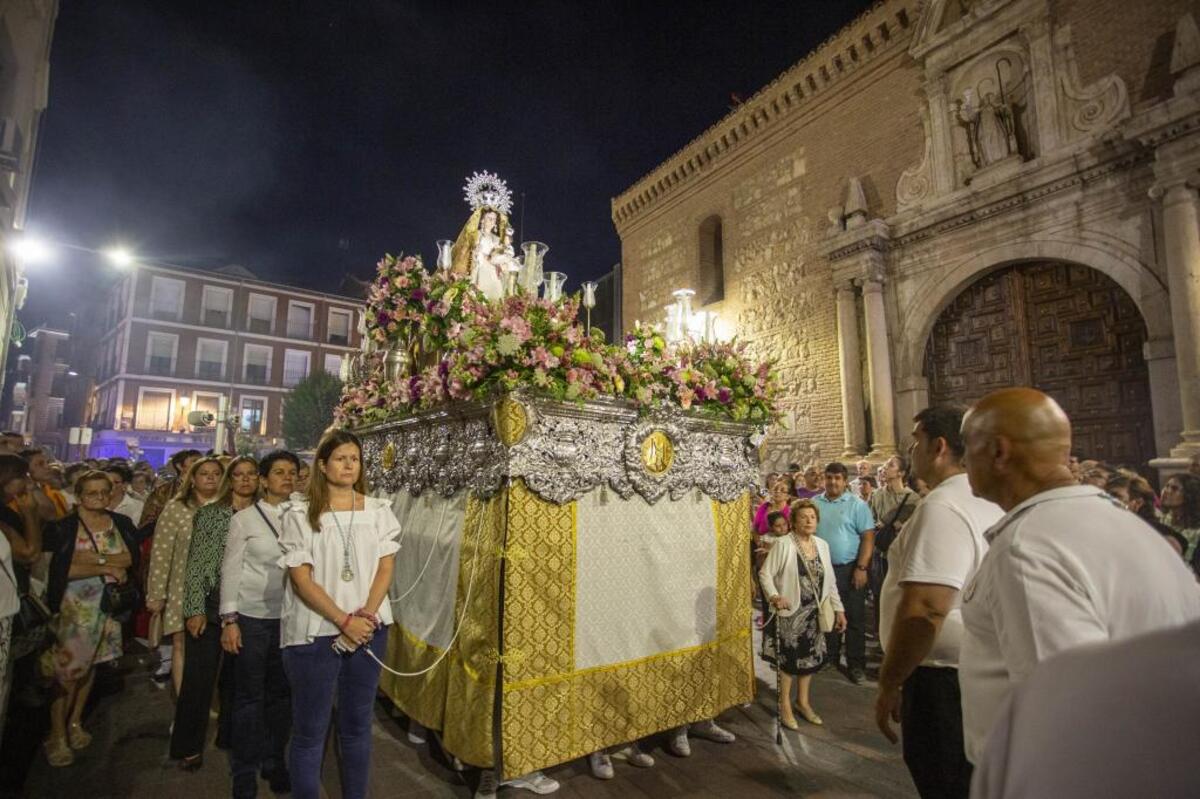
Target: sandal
(191, 763)
(77, 736)
(58, 753)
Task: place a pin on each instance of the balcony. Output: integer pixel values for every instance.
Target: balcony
(210, 370)
(256, 374)
(161, 366)
(293, 376)
(263, 327)
(214, 318)
(300, 328)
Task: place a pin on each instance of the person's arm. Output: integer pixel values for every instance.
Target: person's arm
(772, 566)
(388, 531)
(356, 628)
(26, 543)
(196, 576)
(161, 553)
(865, 547)
(918, 620)
(232, 562)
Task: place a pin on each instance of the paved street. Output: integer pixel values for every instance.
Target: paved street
(846, 758)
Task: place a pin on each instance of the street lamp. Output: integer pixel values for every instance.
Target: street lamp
(31, 250)
(119, 257)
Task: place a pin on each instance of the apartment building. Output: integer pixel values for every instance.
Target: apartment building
(177, 340)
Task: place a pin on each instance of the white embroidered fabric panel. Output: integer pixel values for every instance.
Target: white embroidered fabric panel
(646, 577)
(434, 528)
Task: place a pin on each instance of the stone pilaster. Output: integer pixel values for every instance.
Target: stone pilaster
(854, 423)
(879, 372)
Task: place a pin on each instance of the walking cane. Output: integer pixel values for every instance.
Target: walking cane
(779, 694)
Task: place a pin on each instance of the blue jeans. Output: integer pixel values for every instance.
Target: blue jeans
(317, 674)
(262, 706)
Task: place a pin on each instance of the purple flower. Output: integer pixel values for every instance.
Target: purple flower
(724, 396)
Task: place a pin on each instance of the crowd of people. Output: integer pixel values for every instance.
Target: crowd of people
(216, 564)
(986, 551)
(974, 558)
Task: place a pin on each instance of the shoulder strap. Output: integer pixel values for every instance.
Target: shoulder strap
(270, 526)
(89, 532)
(900, 507)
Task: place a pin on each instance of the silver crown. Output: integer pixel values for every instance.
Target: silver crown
(487, 190)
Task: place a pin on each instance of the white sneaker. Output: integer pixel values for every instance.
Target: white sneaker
(678, 744)
(488, 784)
(634, 755)
(534, 781)
(710, 731)
(601, 764)
(416, 733)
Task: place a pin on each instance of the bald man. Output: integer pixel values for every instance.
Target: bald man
(1066, 565)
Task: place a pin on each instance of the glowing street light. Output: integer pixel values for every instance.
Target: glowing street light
(31, 250)
(119, 257)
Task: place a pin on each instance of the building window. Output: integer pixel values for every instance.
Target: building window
(256, 368)
(161, 349)
(206, 401)
(254, 415)
(339, 327)
(154, 409)
(210, 359)
(261, 314)
(300, 320)
(216, 306)
(166, 298)
(712, 261)
(333, 364)
(295, 366)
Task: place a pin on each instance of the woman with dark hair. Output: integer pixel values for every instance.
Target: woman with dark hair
(1181, 509)
(202, 583)
(1132, 491)
(168, 555)
(340, 548)
(92, 548)
(252, 584)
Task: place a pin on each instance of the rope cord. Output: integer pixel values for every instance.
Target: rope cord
(458, 627)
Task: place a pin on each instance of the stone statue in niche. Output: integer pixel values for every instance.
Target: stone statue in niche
(988, 114)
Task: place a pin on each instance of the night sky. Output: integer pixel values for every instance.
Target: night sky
(304, 139)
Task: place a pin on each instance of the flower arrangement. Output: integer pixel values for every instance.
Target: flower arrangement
(487, 349)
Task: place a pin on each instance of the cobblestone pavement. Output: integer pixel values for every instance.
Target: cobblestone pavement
(845, 758)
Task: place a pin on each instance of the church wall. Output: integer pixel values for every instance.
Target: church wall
(773, 201)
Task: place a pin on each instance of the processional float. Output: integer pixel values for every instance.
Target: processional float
(574, 568)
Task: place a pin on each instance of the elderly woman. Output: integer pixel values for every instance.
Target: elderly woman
(168, 557)
(797, 578)
(92, 547)
(201, 601)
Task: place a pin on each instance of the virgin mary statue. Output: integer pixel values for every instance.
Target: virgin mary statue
(483, 250)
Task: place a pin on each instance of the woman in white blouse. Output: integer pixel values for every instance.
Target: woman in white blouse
(252, 585)
(339, 550)
(797, 577)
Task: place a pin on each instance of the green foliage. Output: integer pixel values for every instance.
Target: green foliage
(308, 410)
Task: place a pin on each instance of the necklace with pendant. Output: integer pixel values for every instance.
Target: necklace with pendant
(347, 569)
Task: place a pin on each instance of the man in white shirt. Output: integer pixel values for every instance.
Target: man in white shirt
(1116, 719)
(1066, 566)
(920, 624)
(121, 501)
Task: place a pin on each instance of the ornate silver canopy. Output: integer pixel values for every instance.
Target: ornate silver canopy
(562, 450)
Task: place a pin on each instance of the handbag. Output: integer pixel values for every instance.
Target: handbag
(31, 630)
(886, 535)
(118, 598)
(826, 615)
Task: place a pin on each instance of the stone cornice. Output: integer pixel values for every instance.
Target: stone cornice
(874, 235)
(878, 30)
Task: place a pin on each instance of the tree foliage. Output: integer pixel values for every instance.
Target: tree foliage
(308, 410)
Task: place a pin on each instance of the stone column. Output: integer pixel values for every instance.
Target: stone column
(1181, 234)
(854, 421)
(879, 372)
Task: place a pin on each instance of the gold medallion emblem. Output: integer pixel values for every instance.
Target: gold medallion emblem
(511, 420)
(389, 456)
(657, 452)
